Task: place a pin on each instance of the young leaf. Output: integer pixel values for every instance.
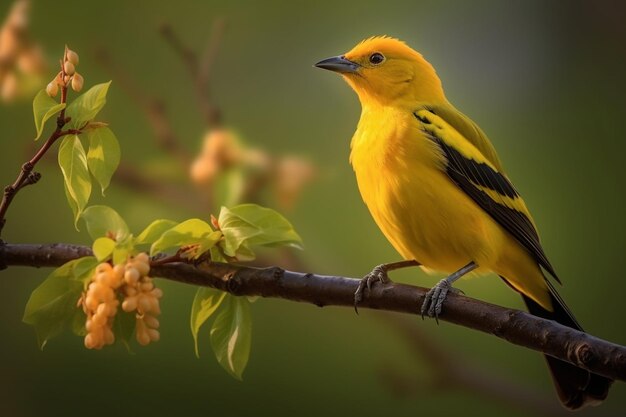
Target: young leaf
(103, 156)
(103, 248)
(231, 335)
(52, 305)
(73, 163)
(103, 221)
(255, 225)
(189, 232)
(154, 231)
(216, 255)
(84, 269)
(78, 323)
(207, 243)
(123, 327)
(205, 303)
(44, 107)
(123, 250)
(120, 255)
(87, 105)
(72, 204)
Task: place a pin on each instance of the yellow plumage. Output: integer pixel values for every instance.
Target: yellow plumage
(402, 179)
(434, 185)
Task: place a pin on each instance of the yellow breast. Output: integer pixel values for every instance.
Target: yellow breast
(402, 179)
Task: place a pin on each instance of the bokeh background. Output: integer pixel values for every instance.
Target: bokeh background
(545, 80)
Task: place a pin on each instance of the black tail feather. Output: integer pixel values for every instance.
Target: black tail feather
(576, 387)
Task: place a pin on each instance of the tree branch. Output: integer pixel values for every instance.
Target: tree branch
(27, 176)
(199, 70)
(153, 108)
(520, 328)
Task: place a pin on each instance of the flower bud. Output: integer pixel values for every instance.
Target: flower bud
(151, 321)
(99, 319)
(52, 89)
(143, 338)
(142, 267)
(71, 56)
(154, 335)
(142, 257)
(90, 342)
(69, 68)
(103, 267)
(143, 303)
(131, 276)
(109, 337)
(77, 82)
(91, 302)
(129, 304)
(130, 291)
(141, 332)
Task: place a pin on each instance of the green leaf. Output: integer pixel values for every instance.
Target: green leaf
(73, 163)
(52, 305)
(78, 323)
(231, 335)
(103, 247)
(84, 269)
(253, 225)
(103, 156)
(120, 255)
(205, 303)
(44, 107)
(123, 250)
(124, 327)
(154, 231)
(208, 243)
(87, 105)
(103, 221)
(216, 255)
(189, 232)
(72, 204)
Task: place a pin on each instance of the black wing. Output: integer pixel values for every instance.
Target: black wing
(470, 176)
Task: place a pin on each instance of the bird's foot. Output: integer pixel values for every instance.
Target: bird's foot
(434, 298)
(378, 274)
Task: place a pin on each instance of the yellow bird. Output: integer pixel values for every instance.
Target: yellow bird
(434, 184)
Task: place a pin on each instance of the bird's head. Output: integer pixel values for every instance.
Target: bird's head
(386, 71)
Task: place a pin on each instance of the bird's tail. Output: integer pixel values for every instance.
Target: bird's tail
(576, 387)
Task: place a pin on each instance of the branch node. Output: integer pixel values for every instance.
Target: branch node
(34, 177)
(233, 285)
(584, 354)
(277, 273)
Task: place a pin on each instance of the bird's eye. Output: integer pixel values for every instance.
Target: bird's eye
(377, 58)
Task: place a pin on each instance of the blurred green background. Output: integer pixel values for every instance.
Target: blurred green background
(546, 82)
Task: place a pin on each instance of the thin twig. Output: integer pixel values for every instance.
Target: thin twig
(520, 328)
(210, 53)
(199, 71)
(154, 110)
(27, 176)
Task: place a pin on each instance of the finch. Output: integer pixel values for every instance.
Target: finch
(436, 188)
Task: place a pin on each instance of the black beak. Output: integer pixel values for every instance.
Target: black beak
(338, 64)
